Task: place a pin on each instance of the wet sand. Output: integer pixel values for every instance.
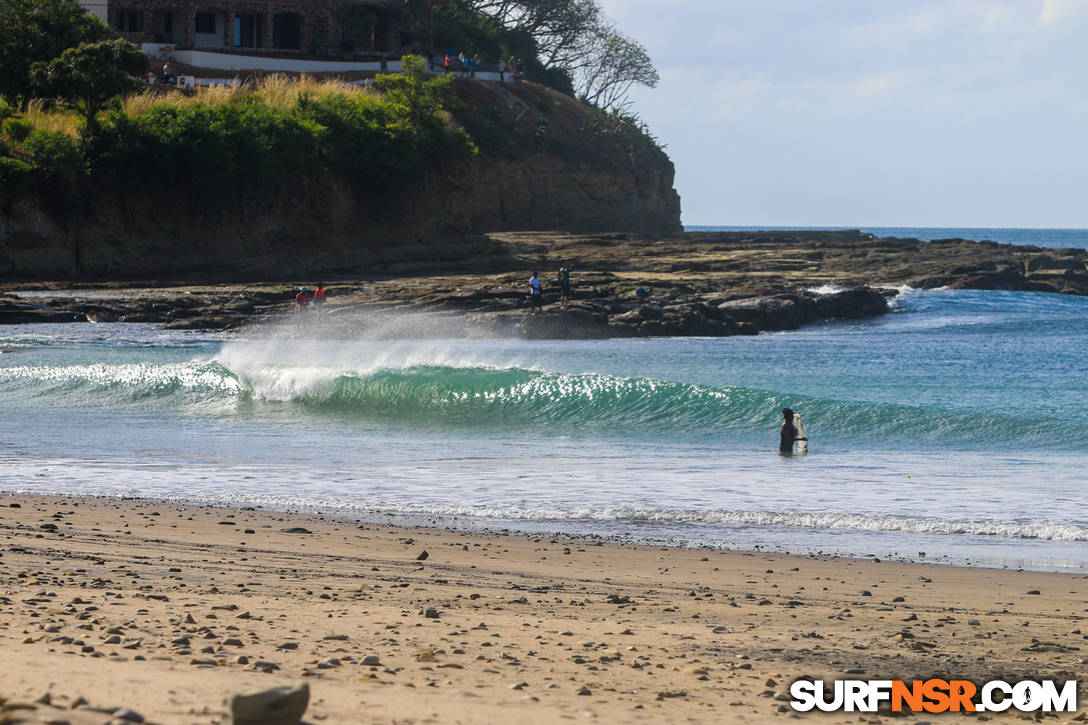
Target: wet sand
(166, 609)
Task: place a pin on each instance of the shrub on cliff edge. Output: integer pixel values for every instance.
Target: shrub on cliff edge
(243, 142)
(55, 153)
(14, 177)
(18, 129)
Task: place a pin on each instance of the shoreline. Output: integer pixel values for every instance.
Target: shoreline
(468, 525)
(524, 623)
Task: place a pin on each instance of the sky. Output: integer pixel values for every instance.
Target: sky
(969, 113)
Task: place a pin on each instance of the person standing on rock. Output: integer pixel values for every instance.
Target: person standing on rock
(793, 430)
(536, 295)
(564, 285)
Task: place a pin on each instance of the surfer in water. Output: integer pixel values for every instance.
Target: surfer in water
(793, 430)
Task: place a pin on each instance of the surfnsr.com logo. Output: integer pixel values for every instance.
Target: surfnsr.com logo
(933, 696)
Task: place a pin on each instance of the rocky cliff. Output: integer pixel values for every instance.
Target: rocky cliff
(545, 162)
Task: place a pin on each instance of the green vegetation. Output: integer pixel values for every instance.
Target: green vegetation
(55, 153)
(625, 134)
(207, 145)
(221, 141)
(18, 129)
(14, 176)
(91, 77)
(73, 108)
(38, 32)
(277, 134)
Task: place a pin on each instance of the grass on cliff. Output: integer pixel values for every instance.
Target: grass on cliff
(277, 91)
(219, 143)
(281, 134)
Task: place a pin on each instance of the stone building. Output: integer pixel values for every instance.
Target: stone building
(315, 27)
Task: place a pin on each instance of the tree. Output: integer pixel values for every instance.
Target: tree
(613, 64)
(422, 99)
(574, 36)
(33, 32)
(91, 77)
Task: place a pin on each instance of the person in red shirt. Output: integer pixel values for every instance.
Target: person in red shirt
(319, 296)
(302, 299)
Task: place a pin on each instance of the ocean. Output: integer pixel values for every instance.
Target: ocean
(952, 430)
(1049, 238)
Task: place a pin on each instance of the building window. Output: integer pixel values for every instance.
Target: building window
(247, 31)
(287, 31)
(205, 23)
(129, 21)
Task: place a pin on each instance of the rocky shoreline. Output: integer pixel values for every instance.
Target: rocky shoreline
(700, 284)
(594, 313)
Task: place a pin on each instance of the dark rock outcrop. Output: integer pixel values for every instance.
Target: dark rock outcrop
(688, 316)
(496, 313)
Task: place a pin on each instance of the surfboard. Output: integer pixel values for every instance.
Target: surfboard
(799, 426)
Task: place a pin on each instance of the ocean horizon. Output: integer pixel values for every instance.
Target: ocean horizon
(1063, 238)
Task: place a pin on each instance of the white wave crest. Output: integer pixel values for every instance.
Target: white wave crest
(133, 376)
(826, 289)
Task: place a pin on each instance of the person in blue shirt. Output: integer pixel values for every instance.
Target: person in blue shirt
(536, 295)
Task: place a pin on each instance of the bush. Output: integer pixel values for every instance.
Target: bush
(18, 129)
(14, 177)
(625, 134)
(6, 110)
(55, 153)
(361, 141)
(248, 143)
(207, 150)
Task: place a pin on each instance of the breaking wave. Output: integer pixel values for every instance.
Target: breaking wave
(515, 398)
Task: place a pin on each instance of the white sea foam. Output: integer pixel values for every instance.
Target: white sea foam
(826, 289)
(137, 377)
(807, 520)
(902, 289)
(288, 360)
(815, 520)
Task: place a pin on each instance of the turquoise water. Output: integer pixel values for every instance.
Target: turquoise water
(1050, 238)
(956, 426)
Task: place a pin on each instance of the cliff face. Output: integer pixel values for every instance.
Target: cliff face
(525, 179)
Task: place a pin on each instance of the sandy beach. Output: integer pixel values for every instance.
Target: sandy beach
(167, 609)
